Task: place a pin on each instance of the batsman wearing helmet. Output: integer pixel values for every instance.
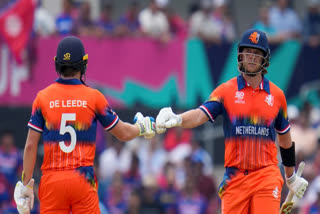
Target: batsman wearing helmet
(66, 114)
(254, 111)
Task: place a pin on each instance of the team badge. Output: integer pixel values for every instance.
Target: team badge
(269, 99)
(66, 56)
(254, 37)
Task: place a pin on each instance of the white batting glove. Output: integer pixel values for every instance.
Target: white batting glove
(23, 196)
(298, 185)
(146, 125)
(167, 119)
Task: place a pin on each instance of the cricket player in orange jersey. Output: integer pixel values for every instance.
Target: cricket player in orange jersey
(66, 114)
(255, 113)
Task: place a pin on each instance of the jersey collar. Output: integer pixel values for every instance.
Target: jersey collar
(264, 85)
(69, 81)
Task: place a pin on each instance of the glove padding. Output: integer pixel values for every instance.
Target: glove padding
(167, 119)
(23, 196)
(146, 125)
(298, 185)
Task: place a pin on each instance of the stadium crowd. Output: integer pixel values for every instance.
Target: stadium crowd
(209, 20)
(171, 173)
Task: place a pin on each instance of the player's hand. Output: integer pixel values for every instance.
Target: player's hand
(167, 119)
(146, 125)
(23, 196)
(298, 185)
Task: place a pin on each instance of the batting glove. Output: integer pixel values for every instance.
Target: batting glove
(23, 196)
(297, 185)
(146, 125)
(167, 119)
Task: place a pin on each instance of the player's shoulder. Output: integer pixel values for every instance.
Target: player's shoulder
(275, 90)
(232, 83)
(46, 91)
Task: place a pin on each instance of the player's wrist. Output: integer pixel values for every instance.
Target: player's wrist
(179, 120)
(292, 178)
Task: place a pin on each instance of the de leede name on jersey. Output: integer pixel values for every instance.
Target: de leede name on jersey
(68, 103)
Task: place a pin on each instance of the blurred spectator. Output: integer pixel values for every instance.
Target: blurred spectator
(116, 158)
(202, 155)
(129, 24)
(222, 17)
(177, 25)
(176, 136)
(168, 193)
(285, 20)
(204, 183)
(311, 23)
(312, 198)
(84, 23)
(202, 24)
(154, 22)
(263, 24)
(10, 158)
(152, 156)
(149, 202)
(167, 176)
(134, 203)
(5, 197)
(44, 24)
(10, 169)
(193, 7)
(132, 177)
(105, 25)
(117, 195)
(302, 133)
(65, 22)
(191, 201)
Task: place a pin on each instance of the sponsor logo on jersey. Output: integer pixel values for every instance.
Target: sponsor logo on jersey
(239, 97)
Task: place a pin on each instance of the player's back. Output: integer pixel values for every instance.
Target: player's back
(69, 111)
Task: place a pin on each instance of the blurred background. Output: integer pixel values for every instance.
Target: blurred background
(149, 54)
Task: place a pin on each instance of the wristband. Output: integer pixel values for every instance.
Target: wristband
(288, 156)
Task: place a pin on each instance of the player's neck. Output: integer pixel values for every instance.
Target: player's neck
(253, 81)
(77, 76)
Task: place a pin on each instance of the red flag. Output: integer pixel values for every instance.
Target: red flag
(16, 25)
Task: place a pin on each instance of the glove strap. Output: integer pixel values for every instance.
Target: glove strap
(292, 178)
(22, 176)
(141, 127)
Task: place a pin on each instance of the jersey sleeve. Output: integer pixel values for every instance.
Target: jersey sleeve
(36, 121)
(282, 125)
(213, 106)
(106, 116)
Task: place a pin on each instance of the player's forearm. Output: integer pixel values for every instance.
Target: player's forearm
(193, 118)
(30, 155)
(125, 131)
(285, 142)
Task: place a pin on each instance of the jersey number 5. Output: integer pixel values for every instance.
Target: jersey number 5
(68, 129)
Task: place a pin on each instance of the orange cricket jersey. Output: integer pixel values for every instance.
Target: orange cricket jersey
(66, 113)
(251, 118)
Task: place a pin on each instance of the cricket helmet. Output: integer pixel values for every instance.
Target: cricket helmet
(70, 53)
(253, 38)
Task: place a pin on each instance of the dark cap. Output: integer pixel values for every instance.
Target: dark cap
(70, 50)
